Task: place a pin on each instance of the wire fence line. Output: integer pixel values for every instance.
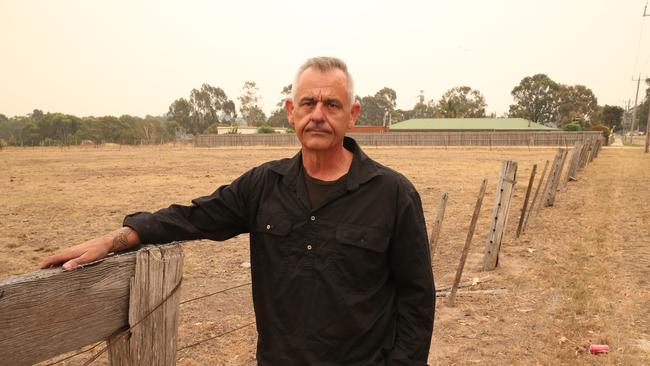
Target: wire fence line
(188, 346)
(214, 293)
(191, 345)
(74, 354)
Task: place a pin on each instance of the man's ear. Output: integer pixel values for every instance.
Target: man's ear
(288, 105)
(354, 114)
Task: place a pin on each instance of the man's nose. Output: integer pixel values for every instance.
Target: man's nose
(317, 113)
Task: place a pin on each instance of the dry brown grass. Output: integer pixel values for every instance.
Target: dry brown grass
(580, 272)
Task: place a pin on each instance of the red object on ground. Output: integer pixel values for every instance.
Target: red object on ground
(598, 348)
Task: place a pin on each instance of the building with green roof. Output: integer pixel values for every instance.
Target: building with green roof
(468, 124)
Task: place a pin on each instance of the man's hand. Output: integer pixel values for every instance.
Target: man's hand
(94, 249)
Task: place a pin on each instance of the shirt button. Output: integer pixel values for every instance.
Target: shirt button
(313, 218)
(308, 246)
(268, 227)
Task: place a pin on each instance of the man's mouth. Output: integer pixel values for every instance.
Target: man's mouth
(316, 130)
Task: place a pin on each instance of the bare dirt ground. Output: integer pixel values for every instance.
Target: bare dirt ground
(578, 275)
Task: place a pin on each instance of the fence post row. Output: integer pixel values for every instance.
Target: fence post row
(499, 218)
(50, 312)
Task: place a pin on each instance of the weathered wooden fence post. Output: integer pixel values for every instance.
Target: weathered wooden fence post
(594, 150)
(533, 204)
(153, 305)
(437, 225)
(468, 241)
(499, 218)
(599, 144)
(552, 177)
(585, 154)
(50, 312)
(572, 168)
(523, 210)
(555, 183)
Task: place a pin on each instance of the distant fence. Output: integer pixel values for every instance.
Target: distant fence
(456, 138)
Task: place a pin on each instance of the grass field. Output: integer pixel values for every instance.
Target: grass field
(579, 274)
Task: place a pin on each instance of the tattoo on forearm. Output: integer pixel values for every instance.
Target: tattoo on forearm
(120, 238)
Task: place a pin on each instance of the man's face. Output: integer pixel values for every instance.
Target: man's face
(321, 112)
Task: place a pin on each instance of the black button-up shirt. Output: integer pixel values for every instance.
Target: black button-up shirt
(346, 283)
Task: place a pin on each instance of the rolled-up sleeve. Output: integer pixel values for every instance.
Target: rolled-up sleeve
(410, 265)
(219, 216)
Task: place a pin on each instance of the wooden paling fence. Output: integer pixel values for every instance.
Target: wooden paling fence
(131, 300)
(439, 138)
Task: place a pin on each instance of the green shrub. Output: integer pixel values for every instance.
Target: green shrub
(265, 129)
(601, 127)
(573, 126)
(213, 129)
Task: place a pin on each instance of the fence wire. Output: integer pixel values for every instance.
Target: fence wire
(126, 331)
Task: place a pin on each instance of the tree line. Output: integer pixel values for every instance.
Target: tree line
(537, 98)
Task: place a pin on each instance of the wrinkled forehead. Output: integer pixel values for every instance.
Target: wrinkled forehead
(319, 93)
(321, 85)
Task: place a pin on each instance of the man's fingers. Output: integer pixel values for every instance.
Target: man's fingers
(55, 260)
(71, 264)
(86, 257)
(87, 252)
(63, 256)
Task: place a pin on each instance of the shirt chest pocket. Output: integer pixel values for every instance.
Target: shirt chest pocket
(361, 260)
(271, 235)
(362, 238)
(274, 224)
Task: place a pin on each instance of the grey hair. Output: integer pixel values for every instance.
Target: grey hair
(324, 64)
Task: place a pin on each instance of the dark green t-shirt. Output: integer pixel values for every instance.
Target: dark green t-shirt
(318, 190)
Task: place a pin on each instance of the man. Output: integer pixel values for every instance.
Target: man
(340, 262)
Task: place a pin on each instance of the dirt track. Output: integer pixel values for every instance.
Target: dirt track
(580, 273)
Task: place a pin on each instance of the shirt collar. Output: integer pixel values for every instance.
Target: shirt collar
(361, 170)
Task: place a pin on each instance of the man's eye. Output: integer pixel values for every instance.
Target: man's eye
(333, 105)
(307, 103)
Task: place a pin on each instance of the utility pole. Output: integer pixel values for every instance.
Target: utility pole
(647, 132)
(638, 82)
(647, 125)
